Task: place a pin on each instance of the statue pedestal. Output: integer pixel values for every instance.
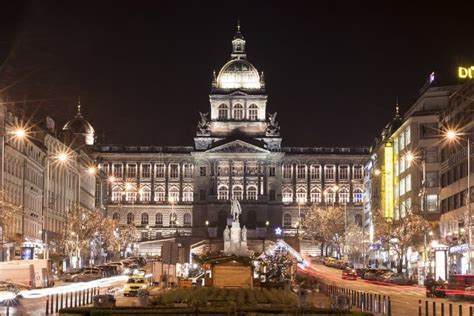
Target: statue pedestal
(237, 243)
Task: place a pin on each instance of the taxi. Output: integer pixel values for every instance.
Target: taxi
(134, 284)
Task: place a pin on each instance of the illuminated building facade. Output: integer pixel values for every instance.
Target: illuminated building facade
(454, 198)
(237, 154)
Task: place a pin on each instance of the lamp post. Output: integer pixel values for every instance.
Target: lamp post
(453, 136)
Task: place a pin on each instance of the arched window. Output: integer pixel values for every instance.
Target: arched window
(187, 194)
(188, 170)
(238, 112)
(144, 218)
(173, 219)
(357, 196)
(358, 219)
(287, 195)
(237, 192)
(315, 195)
(159, 194)
(223, 192)
(116, 216)
(251, 193)
(173, 195)
(344, 196)
(286, 220)
(223, 112)
(301, 195)
(329, 196)
(187, 219)
(145, 194)
(253, 112)
(130, 218)
(159, 219)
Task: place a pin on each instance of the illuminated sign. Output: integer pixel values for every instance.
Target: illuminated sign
(388, 180)
(464, 72)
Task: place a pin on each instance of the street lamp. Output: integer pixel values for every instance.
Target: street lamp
(454, 136)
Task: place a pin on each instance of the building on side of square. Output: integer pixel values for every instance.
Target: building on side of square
(402, 174)
(454, 198)
(237, 153)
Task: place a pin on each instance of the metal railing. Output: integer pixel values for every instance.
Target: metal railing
(58, 301)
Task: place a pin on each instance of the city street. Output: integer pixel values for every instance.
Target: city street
(404, 298)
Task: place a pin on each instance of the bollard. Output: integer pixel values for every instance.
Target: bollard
(460, 310)
(8, 309)
(434, 308)
(52, 304)
(62, 300)
(47, 305)
(380, 303)
(419, 307)
(75, 299)
(384, 308)
(87, 296)
(57, 303)
(470, 310)
(442, 309)
(450, 309)
(389, 307)
(83, 297)
(427, 311)
(66, 301)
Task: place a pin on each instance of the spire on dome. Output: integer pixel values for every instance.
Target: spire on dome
(79, 107)
(238, 44)
(397, 110)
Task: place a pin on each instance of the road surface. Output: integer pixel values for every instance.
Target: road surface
(404, 298)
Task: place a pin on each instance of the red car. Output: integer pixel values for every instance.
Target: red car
(349, 274)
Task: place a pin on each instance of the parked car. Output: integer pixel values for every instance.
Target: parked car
(140, 260)
(119, 265)
(87, 275)
(373, 274)
(360, 272)
(107, 270)
(394, 278)
(349, 274)
(329, 261)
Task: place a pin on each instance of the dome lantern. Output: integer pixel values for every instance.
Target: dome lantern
(79, 126)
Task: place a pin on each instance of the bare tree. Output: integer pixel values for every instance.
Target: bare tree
(355, 241)
(326, 225)
(401, 234)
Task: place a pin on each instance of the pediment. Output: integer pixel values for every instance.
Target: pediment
(237, 146)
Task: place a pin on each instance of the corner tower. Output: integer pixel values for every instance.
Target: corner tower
(238, 104)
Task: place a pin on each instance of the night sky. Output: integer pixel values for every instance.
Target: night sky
(143, 69)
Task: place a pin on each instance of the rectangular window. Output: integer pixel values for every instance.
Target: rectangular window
(301, 171)
(329, 172)
(174, 171)
(431, 179)
(315, 171)
(402, 164)
(430, 154)
(146, 170)
(401, 141)
(408, 183)
(395, 146)
(286, 171)
(344, 173)
(407, 136)
(408, 205)
(160, 170)
(271, 171)
(429, 130)
(402, 187)
(358, 173)
(131, 170)
(432, 203)
(202, 171)
(223, 169)
(118, 171)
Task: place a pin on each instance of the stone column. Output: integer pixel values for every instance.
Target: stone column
(230, 179)
(293, 179)
(245, 181)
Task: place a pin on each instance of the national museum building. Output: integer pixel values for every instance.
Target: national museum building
(237, 154)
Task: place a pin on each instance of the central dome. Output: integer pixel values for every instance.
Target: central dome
(238, 74)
